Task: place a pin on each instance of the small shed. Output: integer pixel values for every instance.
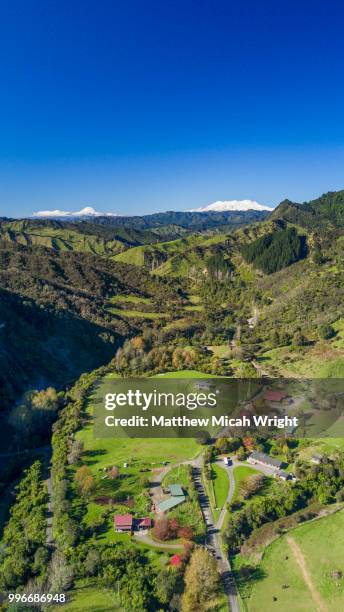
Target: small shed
(176, 490)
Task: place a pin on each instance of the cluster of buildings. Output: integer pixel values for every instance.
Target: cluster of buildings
(176, 497)
(127, 523)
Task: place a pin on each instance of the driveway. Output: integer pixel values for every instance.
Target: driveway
(213, 542)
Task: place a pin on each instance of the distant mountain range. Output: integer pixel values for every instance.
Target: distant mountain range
(89, 212)
(232, 205)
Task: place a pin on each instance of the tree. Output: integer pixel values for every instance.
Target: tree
(60, 573)
(221, 445)
(161, 529)
(85, 482)
(185, 532)
(92, 562)
(46, 399)
(138, 343)
(167, 584)
(299, 339)
(326, 331)
(275, 338)
(76, 450)
(201, 581)
(251, 485)
(241, 454)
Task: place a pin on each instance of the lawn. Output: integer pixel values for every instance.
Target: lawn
(220, 484)
(304, 560)
(321, 361)
(87, 595)
(241, 473)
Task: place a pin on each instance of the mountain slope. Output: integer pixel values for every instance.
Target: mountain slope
(323, 212)
(54, 316)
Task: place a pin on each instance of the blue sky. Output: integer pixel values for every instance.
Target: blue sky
(137, 106)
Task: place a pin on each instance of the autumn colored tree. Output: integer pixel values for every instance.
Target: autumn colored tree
(174, 526)
(161, 529)
(138, 343)
(201, 581)
(185, 532)
(85, 482)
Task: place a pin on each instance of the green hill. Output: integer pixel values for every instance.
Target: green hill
(323, 212)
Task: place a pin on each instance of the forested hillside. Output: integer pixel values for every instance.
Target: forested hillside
(74, 293)
(324, 212)
(54, 322)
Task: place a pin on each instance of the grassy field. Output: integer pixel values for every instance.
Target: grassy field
(304, 560)
(220, 484)
(138, 314)
(88, 596)
(324, 360)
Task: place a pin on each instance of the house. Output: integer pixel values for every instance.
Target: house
(143, 523)
(263, 459)
(274, 396)
(282, 475)
(123, 522)
(316, 459)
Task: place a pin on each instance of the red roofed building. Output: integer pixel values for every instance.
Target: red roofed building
(274, 396)
(123, 522)
(143, 523)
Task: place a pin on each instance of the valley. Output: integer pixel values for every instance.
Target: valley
(172, 295)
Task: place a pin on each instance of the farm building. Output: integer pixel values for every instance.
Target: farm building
(263, 459)
(177, 497)
(169, 503)
(123, 522)
(176, 490)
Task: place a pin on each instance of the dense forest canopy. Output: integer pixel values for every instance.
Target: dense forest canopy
(275, 251)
